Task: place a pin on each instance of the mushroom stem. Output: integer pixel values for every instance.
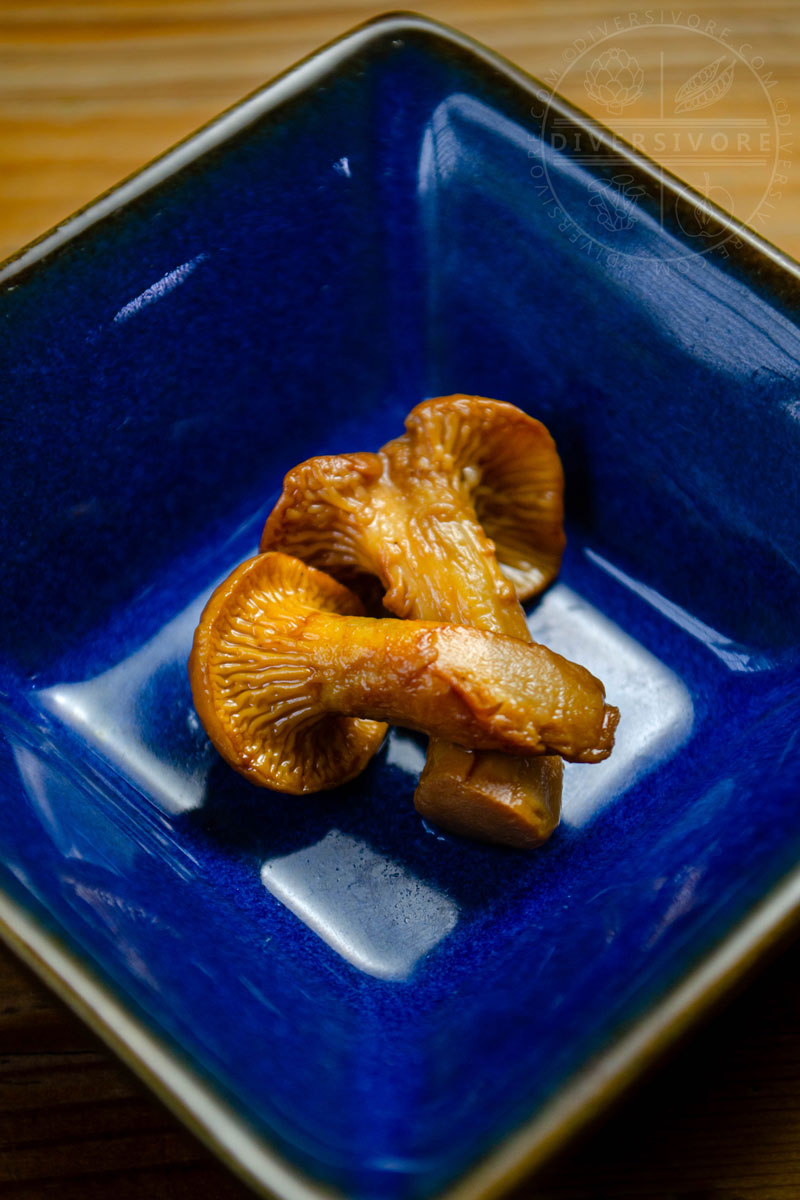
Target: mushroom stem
(480, 690)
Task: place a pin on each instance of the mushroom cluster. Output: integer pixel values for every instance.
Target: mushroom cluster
(459, 520)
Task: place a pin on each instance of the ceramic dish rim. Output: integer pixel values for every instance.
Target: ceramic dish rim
(171, 1074)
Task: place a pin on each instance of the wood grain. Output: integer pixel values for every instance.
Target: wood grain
(90, 91)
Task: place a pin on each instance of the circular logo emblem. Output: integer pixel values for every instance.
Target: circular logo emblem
(685, 94)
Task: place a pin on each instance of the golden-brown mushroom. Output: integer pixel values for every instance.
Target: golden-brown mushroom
(293, 685)
(460, 518)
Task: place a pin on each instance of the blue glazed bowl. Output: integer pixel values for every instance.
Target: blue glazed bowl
(337, 997)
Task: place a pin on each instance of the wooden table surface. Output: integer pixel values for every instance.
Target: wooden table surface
(88, 92)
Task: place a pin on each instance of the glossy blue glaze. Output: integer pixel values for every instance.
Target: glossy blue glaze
(383, 1002)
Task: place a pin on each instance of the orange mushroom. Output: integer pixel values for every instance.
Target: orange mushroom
(293, 685)
(460, 518)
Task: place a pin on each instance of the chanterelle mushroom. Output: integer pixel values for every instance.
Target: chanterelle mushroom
(460, 518)
(293, 685)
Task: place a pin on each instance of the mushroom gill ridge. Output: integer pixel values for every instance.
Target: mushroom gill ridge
(256, 695)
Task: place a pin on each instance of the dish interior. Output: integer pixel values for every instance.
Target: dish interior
(385, 1002)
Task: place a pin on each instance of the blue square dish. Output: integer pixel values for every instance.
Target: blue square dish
(338, 998)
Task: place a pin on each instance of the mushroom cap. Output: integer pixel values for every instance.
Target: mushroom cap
(459, 453)
(255, 696)
(318, 516)
(507, 467)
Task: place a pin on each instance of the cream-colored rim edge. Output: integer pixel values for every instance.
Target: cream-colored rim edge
(177, 1083)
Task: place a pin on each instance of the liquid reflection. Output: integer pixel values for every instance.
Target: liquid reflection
(366, 906)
